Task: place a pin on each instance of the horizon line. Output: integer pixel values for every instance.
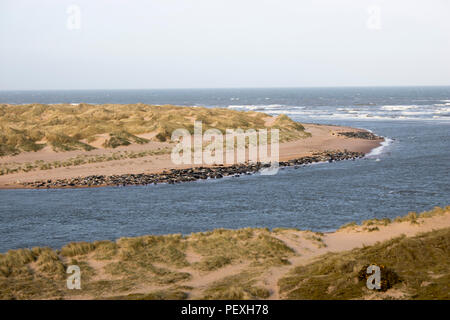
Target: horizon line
(231, 88)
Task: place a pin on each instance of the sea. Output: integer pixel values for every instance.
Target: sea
(409, 172)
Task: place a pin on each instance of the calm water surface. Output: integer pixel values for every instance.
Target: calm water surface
(410, 174)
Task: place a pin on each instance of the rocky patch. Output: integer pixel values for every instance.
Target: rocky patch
(360, 135)
(191, 174)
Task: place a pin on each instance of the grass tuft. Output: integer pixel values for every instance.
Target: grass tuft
(77, 249)
(222, 247)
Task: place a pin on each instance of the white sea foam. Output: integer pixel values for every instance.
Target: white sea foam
(391, 113)
(442, 110)
(378, 150)
(256, 106)
(399, 108)
(414, 113)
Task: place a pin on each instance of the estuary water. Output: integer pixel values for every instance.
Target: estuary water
(411, 172)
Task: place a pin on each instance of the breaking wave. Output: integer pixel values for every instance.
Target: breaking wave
(379, 150)
(436, 112)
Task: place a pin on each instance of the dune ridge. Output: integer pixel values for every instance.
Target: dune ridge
(247, 263)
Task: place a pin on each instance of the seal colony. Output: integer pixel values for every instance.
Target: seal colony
(190, 174)
(71, 146)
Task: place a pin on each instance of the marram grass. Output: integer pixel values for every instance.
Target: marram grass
(67, 127)
(160, 267)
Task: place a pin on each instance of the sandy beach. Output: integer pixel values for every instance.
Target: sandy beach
(323, 138)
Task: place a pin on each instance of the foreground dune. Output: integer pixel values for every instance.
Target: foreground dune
(244, 264)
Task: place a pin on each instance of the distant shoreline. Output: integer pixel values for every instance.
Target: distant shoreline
(325, 138)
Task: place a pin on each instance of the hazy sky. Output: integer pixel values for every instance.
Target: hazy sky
(111, 44)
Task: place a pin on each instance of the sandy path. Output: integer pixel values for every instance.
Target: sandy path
(324, 137)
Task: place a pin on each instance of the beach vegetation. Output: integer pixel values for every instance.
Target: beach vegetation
(163, 267)
(421, 263)
(222, 247)
(410, 217)
(77, 248)
(156, 295)
(315, 237)
(14, 167)
(236, 287)
(66, 127)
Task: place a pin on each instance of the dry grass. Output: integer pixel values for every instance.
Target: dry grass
(415, 260)
(13, 167)
(24, 273)
(412, 217)
(436, 211)
(66, 127)
(169, 249)
(158, 267)
(111, 268)
(316, 238)
(236, 287)
(222, 247)
(77, 249)
(156, 295)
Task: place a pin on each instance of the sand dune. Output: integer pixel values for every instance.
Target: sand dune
(243, 264)
(323, 137)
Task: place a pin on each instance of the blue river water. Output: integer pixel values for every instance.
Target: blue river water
(411, 173)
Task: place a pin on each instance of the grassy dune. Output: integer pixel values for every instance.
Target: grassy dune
(130, 263)
(237, 261)
(14, 167)
(67, 127)
(421, 263)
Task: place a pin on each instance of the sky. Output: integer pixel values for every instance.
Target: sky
(112, 44)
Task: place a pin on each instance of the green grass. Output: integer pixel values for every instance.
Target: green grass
(157, 295)
(222, 247)
(236, 287)
(122, 138)
(63, 142)
(169, 249)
